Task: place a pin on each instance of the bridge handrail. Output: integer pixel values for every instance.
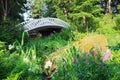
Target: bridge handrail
(36, 23)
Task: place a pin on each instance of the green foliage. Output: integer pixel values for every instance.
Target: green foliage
(10, 15)
(9, 31)
(12, 9)
(86, 67)
(74, 11)
(107, 27)
(85, 22)
(117, 21)
(20, 63)
(78, 66)
(37, 9)
(8, 63)
(14, 77)
(23, 60)
(2, 45)
(51, 43)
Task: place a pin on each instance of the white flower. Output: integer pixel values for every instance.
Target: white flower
(48, 64)
(10, 47)
(34, 57)
(26, 60)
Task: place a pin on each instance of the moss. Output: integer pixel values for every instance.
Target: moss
(88, 43)
(84, 45)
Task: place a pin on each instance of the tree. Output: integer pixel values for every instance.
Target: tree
(107, 6)
(80, 13)
(38, 9)
(10, 14)
(110, 6)
(11, 8)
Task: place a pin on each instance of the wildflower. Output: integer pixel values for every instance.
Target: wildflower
(48, 64)
(10, 47)
(74, 61)
(26, 60)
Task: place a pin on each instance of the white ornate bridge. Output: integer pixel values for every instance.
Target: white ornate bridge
(43, 23)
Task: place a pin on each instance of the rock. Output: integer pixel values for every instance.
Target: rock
(89, 43)
(95, 45)
(106, 56)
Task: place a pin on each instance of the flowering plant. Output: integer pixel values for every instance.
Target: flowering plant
(49, 69)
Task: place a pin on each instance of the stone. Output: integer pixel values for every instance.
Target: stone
(106, 56)
(91, 45)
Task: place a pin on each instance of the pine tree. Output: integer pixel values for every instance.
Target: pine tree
(36, 9)
(77, 11)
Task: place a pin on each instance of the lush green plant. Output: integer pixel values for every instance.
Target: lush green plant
(2, 45)
(23, 58)
(21, 63)
(85, 22)
(117, 21)
(9, 31)
(45, 46)
(84, 67)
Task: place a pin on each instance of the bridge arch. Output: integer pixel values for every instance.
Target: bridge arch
(43, 25)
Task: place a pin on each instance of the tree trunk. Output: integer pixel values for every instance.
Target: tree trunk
(5, 15)
(107, 6)
(84, 19)
(4, 4)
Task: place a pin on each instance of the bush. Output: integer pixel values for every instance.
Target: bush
(45, 46)
(85, 22)
(20, 62)
(84, 67)
(9, 32)
(117, 21)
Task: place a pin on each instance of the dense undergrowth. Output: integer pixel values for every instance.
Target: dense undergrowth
(25, 60)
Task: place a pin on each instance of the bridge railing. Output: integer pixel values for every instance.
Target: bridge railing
(36, 23)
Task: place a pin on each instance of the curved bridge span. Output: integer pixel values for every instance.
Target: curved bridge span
(43, 23)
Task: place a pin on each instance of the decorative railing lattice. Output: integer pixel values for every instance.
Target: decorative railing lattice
(43, 22)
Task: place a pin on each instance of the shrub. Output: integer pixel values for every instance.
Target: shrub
(117, 21)
(9, 32)
(84, 67)
(85, 22)
(20, 63)
(87, 45)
